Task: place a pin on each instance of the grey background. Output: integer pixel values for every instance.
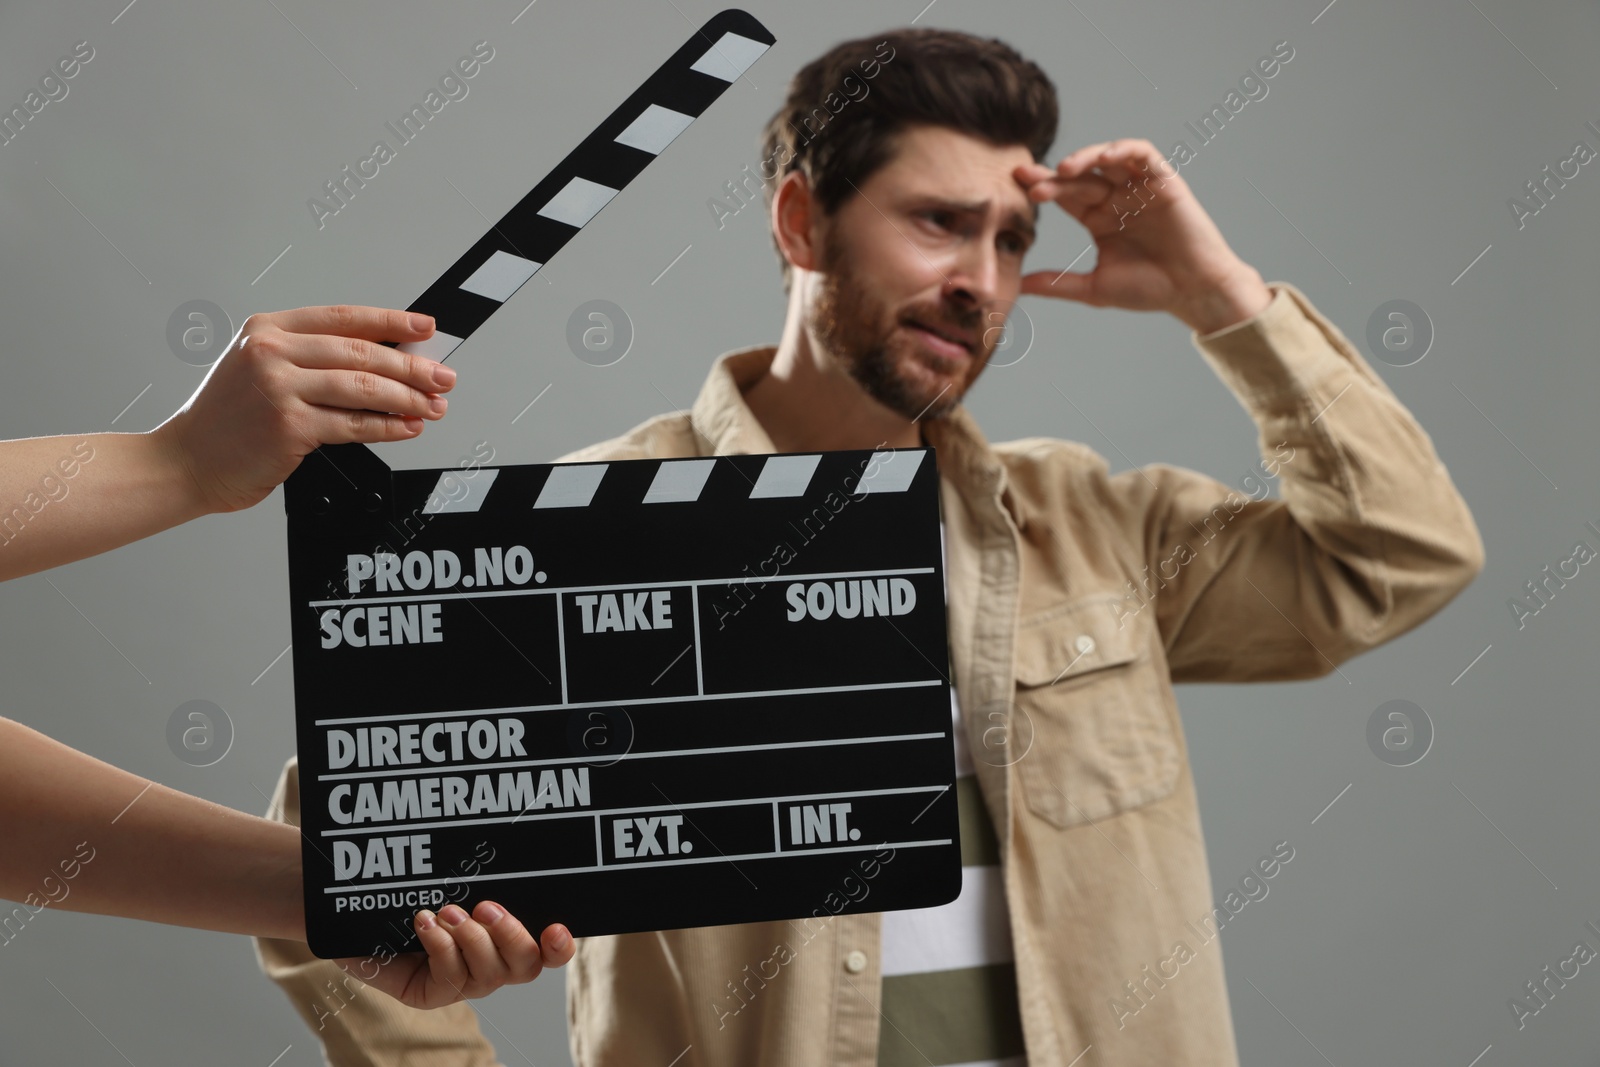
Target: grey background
(1377, 168)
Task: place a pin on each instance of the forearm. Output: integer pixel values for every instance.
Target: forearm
(1370, 536)
(66, 498)
(83, 835)
(1368, 539)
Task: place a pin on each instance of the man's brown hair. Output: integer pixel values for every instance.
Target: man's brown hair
(845, 109)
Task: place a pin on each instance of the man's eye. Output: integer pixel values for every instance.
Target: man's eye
(1017, 244)
(938, 218)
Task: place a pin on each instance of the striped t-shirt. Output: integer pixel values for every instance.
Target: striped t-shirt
(949, 983)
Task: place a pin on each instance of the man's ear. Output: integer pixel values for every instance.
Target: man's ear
(794, 213)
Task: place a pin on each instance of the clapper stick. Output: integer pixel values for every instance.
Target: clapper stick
(583, 183)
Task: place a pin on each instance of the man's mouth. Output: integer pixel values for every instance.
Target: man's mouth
(949, 336)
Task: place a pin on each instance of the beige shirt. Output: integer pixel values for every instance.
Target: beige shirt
(1076, 599)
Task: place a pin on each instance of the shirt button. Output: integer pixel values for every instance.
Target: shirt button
(1084, 644)
(856, 961)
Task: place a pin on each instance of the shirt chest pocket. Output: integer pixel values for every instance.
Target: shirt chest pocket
(1103, 740)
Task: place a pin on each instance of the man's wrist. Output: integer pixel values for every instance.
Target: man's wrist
(1224, 304)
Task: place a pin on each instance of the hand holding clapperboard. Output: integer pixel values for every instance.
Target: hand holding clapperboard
(634, 695)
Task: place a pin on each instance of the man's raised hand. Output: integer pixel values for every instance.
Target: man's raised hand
(1156, 248)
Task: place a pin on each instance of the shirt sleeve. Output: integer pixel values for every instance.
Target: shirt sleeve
(1368, 538)
(358, 1025)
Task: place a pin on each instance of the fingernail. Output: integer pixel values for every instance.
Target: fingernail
(438, 404)
(491, 912)
(453, 915)
(412, 423)
(421, 322)
(425, 919)
(443, 376)
(560, 939)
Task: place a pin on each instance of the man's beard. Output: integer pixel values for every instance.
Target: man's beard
(846, 318)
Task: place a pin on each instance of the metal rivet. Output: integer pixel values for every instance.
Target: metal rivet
(372, 501)
(1084, 644)
(856, 961)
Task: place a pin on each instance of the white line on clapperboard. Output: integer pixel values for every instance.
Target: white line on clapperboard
(699, 671)
(561, 644)
(362, 719)
(416, 769)
(631, 866)
(543, 590)
(595, 813)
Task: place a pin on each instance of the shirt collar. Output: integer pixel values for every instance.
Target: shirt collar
(723, 424)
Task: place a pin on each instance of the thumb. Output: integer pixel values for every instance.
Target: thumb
(1064, 285)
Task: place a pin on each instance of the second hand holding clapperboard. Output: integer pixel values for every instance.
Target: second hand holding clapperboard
(633, 695)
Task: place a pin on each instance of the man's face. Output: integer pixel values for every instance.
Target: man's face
(932, 244)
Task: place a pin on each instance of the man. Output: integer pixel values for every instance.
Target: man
(1075, 597)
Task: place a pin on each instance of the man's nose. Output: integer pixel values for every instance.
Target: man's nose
(974, 277)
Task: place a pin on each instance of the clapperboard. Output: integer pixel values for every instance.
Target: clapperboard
(624, 696)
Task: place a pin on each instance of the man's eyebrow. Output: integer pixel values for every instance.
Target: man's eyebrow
(1026, 225)
(1016, 220)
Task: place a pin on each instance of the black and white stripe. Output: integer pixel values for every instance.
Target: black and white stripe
(576, 485)
(561, 204)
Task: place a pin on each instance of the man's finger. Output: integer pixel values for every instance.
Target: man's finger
(356, 320)
(1122, 161)
(1032, 172)
(1090, 189)
(511, 939)
(1079, 158)
(1065, 285)
(362, 391)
